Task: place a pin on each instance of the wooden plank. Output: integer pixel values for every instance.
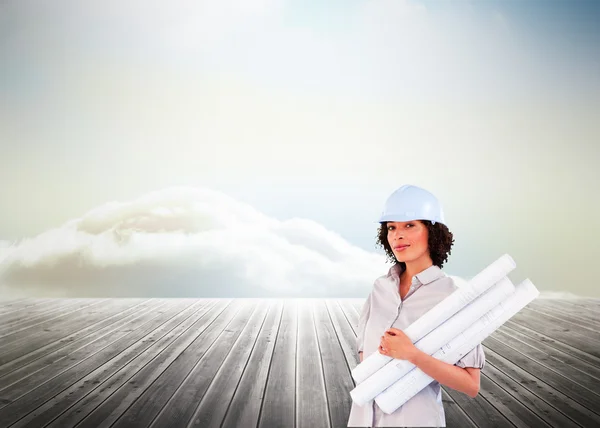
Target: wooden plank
(49, 335)
(214, 378)
(553, 380)
(519, 394)
(336, 371)
(58, 348)
(454, 415)
(188, 377)
(74, 403)
(27, 322)
(578, 306)
(69, 322)
(478, 409)
(21, 383)
(350, 313)
(576, 370)
(564, 333)
(27, 315)
(564, 347)
(575, 312)
(31, 321)
(11, 300)
(311, 397)
(568, 321)
(273, 363)
(244, 408)
(563, 403)
(584, 302)
(357, 305)
(518, 414)
(12, 373)
(346, 335)
(122, 404)
(14, 307)
(27, 396)
(280, 391)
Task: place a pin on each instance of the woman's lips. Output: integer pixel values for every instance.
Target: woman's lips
(401, 247)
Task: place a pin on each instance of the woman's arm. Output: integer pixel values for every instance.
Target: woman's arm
(465, 380)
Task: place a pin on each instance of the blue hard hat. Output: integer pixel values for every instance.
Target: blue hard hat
(412, 203)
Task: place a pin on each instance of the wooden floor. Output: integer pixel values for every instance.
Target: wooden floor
(267, 363)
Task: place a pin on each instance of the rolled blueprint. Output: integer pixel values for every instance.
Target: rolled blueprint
(412, 383)
(432, 342)
(431, 319)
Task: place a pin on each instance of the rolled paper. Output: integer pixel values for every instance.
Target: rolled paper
(432, 342)
(434, 317)
(412, 383)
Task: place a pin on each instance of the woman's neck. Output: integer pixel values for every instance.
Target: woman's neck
(415, 267)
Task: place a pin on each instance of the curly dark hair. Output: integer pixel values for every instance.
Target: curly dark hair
(440, 242)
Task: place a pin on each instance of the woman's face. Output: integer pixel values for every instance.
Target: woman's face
(411, 237)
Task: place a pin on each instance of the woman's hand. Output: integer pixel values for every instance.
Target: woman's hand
(396, 344)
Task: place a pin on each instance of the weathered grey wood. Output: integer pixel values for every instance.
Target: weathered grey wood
(478, 409)
(66, 311)
(351, 315)
(518, 414)
(455, 416)
(585, 302)
(578, 307)
(567, 321)
(55, 350)
(345, 334)
(187, 348)
(96, 387)
(29, 323)
(336, 370)
(49, 335)
(555, 380)
(67, 323)
(34, 390)
(248, 396)
(311, 397)
(576, 313)
(17, 319)
(11, 300)
(560, 362)
(542, 338)
(519, 394)
(279, 404)
(18, 305)
(52, 363)
(587, 342)
(219, 362)
(564, 403)
(191, 373)
(213, 379)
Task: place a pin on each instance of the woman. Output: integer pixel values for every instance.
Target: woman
(415, 238)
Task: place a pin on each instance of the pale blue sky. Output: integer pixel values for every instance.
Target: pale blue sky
(310, 109)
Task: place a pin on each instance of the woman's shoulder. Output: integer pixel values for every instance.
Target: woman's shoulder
(447, 283)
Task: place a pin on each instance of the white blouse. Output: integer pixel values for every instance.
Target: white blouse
(385, 309)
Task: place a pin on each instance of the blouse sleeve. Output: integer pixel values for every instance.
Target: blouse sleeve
(362, 323)
(474, 358)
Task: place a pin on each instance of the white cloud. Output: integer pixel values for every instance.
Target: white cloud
(185, 241)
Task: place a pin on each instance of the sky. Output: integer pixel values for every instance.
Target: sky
(246, 147)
